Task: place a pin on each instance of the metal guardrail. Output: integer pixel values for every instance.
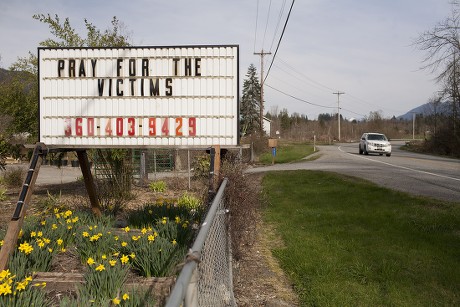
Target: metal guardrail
(206, 278)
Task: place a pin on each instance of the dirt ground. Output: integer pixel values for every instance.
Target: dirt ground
(258, 280)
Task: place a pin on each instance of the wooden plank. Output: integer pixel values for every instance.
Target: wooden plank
(14, 227)
(89, 181)
(158, 287)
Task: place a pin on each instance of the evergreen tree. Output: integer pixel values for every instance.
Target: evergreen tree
(250, 103)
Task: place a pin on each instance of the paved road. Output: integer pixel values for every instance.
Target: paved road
(52, 174)
(418, 174)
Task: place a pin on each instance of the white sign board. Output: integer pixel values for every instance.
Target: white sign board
(139, 96)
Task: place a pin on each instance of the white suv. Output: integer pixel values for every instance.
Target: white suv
(374, 143)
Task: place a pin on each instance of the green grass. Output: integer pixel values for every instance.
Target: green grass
(348, 242)
(287, 153)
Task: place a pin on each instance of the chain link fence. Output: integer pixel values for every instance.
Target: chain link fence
(206, 278)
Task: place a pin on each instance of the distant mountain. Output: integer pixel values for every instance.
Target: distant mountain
(427, 109)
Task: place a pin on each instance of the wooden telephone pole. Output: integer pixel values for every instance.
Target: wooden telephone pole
(338, 108)
(262, 53)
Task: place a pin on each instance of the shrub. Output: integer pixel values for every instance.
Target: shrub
(201, 166)
(242, 199)
(14, 176)
(189, 201)
(157, 186)
(2, 194)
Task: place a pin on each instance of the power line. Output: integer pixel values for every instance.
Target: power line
(299, 99)
(281, 37)
(266, 24)
(255, 32)
(278, 23)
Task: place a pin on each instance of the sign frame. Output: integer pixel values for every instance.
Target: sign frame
(139, 96)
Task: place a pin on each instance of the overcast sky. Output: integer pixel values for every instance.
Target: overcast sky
(363, 48)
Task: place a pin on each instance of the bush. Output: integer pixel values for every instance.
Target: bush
(157, 186)
(201, 166)
(242, 199)
(14, 177)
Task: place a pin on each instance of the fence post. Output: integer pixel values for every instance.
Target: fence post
(189, 170)
(191, 294)
(143, 174)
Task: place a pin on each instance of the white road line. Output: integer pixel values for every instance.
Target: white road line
(398, 166)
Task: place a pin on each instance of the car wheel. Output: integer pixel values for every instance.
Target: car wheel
(360, 151)
(365, 151)
(389, 154)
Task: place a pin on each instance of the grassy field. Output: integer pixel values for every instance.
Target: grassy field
(287, 153)
(348, 242)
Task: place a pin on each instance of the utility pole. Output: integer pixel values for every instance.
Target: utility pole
(338, 108)
(262, 53)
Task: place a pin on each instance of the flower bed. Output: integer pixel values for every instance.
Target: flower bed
(82, 260)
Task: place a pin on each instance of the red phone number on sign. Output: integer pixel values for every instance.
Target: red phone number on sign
(131, 126)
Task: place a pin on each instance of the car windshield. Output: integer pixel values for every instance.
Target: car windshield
(376, 137)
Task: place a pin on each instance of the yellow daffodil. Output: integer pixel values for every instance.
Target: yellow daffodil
(33, 234)
(67, 213)
(151, 238)
(124, 244)
(59, 242)
(43, 223)
(144, 231)
(85, 234)
(126, 229)
(4, 274)
(54, 227)
(124, 259)
(112, 262)
(174, 242)
(100, 267)
(132, 255)
(125, 297)
(26, 248)
(5, 289)
(116, 301)
(21, 286)
(90, 261)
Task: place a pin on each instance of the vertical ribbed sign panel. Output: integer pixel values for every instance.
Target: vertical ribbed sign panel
(139, 96)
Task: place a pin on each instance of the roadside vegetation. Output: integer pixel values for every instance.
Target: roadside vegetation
(349, 242)
(287, 152)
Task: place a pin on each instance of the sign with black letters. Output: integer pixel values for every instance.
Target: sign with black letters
(139, 96)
